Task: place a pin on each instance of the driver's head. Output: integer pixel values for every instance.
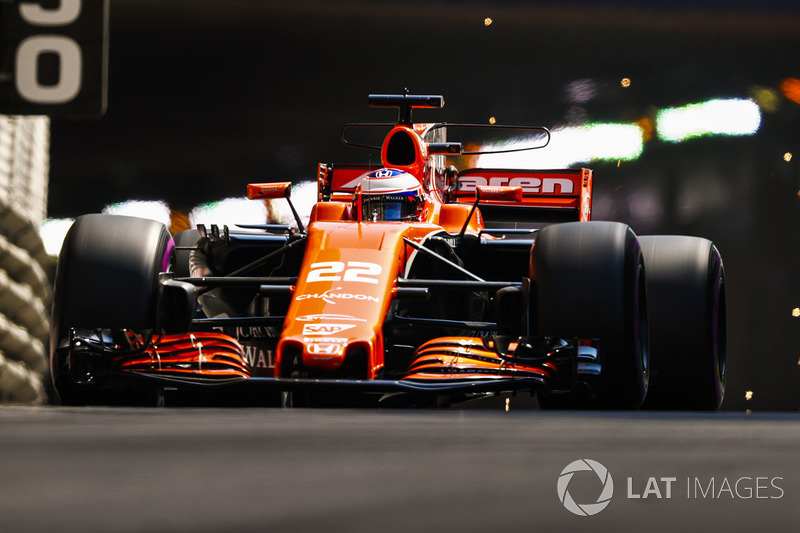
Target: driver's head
(391, 194)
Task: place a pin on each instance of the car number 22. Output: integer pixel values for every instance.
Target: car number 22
(337, 271)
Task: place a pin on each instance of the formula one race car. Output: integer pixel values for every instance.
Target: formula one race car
(414, 283)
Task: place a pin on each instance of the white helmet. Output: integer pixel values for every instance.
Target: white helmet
(391, 194)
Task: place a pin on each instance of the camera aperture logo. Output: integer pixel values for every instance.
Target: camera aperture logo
(665, 488)
(585, 509)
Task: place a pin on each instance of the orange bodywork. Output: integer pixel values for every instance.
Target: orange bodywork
(206, 354)
(459, 358)
(344, 290)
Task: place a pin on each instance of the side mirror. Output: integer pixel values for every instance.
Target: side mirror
(445, 148)
(272, 191)
(269, 191)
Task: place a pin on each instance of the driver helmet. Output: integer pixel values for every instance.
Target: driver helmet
(391, 194)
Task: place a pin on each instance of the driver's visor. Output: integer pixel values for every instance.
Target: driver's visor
(389, 207)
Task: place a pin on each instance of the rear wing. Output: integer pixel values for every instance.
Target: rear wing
(547, 195)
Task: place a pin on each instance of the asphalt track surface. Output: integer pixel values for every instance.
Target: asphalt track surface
(184, 469)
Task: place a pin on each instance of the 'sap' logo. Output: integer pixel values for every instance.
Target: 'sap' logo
(325, 329)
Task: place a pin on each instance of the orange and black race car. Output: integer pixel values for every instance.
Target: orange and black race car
(413, 283)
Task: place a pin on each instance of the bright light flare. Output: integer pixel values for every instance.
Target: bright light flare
(572, 145)
(153, 210)
(487, 22)
(796, 312)
(229, 212)
(748, 395)
(53, 231)
(787, 156)
(304, 196)
(715, 117)
(233, 211)
(625, 82)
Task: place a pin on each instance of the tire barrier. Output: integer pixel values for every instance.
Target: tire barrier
(24, 311)
(25, 287)
(19, 384)
(19, 266)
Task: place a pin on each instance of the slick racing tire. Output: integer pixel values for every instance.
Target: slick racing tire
(107, 278)
(589, 283)
(686, 307)
(183, 239)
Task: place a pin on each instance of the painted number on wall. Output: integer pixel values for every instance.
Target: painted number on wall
(30, 50)
(57, 55)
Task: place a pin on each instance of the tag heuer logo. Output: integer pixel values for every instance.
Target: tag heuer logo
(325, 329)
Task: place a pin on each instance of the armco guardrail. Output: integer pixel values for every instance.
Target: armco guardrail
(24, 284)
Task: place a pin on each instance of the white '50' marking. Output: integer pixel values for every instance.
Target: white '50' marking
(354, 271)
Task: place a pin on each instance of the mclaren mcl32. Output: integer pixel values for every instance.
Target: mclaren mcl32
(413, 283)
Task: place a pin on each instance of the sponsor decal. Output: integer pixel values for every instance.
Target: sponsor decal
(333, 297)
(324, 339)
(529, 184)
(310, 318)
(326, 349)
(385, 173)
(258, 357)
(325, 329)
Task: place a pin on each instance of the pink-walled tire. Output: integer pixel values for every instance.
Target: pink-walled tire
(107, 278)
(589, 283)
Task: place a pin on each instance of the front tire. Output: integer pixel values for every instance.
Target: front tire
(589, 283)
(107, 278)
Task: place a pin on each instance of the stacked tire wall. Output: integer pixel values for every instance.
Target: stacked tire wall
(25, 288)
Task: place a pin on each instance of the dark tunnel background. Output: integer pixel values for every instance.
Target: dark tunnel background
(206, 95)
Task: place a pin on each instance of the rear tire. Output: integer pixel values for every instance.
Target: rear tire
(589, 282)
(183, 239)
(107, 278)
(686, 299)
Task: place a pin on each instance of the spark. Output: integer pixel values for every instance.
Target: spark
(492, 120)
(788, 156)
(796, 312)
(748, 395)
(625, 82)
(487, 22)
